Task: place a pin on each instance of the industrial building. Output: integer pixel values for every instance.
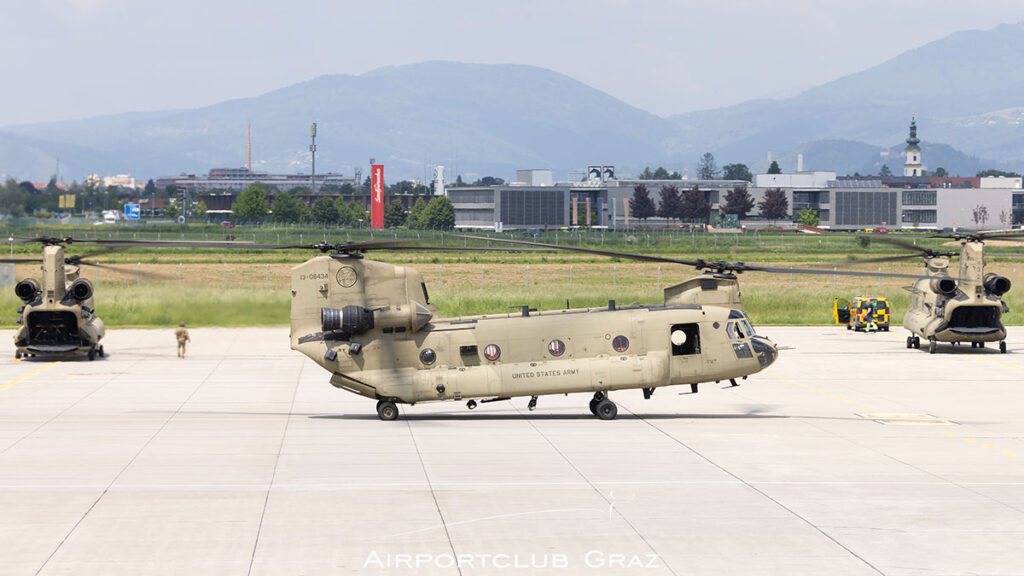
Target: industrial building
(910, 200)
(237, 179)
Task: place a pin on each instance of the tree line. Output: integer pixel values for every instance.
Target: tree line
(693, 206)
(253, 206)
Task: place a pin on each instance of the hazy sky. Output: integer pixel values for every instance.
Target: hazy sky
(65, 59)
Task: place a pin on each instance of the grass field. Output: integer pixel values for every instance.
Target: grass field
(160, 287)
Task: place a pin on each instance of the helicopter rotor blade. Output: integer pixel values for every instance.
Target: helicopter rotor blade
(899, 242)
(610, 253)
(19, 260)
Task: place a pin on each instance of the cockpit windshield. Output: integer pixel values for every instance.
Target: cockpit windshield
(738, 326)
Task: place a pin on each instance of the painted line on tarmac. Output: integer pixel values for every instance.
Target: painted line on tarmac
(988, 446)
(32, 373)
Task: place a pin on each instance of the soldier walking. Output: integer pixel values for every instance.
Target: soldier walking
(181, 333)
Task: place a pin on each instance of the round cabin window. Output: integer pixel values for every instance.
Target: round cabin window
(428, 356)
(621, 343)
(556, 348)
(678, 337)
(492, 352)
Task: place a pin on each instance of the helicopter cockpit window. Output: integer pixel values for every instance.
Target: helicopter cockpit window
(748, 328)
(738, 330)
(685, 339)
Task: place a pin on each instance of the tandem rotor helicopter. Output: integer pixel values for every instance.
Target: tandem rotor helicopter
(58, 317)
(967, 308)
(372, 326)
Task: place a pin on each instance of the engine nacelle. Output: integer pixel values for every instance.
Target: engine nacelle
(347, 321)
(27, 289)
(80, 290)
(996, 284)
(945, 286)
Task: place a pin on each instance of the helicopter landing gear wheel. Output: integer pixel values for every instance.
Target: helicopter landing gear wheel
(917, 342)
(17, 354)
(598, 396)
(471, 404)
(932, 346)
(532, 404)
(92, 353)
(100, 352)
(606, 409)
(981, 344)
(1002, 346)
(387, 410)
(910, 341)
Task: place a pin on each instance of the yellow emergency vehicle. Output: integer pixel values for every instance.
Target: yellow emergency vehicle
(865, 313)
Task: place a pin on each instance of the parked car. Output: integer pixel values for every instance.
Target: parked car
(227, 224)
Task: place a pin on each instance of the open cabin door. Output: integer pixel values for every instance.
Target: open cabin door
(686, 362)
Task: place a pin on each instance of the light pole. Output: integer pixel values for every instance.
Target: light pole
(312, 149)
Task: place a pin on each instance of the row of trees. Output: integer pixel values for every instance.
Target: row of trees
(707, 169)
(252, 205)
(693, 206)
(21, 198)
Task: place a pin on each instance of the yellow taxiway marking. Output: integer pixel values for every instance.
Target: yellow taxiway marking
(989, 446)
(32, 373)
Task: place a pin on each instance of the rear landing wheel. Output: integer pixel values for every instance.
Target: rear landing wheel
(100, 351)
(932, 346)
(606, 409)
(17, 354)
(387, 410)
(917, 342)
(1002, 347)
(92, 353)
(910, 341)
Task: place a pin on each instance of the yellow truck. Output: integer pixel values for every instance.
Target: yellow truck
(865, 313)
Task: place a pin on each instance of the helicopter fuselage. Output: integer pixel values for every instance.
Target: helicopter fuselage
(370, 324)
(57, 318)
(964, 309)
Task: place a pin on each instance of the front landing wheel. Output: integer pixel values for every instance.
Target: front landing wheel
(606, 409)
(92, 353)
(932, 346)
(387, 410)
(1002, 347)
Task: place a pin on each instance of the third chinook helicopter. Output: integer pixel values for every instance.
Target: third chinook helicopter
(58, 317)
(964, 308)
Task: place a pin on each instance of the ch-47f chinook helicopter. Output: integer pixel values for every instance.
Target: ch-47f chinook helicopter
(58, 316)
(372, 326)
(965, 308)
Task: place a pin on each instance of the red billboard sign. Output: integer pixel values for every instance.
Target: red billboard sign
(377, 196)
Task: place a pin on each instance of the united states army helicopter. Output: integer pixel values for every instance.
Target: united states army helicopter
(372, 326)
(965, 308)
(58, 317)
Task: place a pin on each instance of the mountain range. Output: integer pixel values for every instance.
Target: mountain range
(493, 119)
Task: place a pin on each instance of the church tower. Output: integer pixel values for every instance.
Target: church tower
(913, 166)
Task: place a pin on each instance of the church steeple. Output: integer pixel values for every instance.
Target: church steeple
(913, 165)
(913, 140)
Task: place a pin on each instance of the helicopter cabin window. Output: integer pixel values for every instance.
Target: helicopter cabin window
(685, 339)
